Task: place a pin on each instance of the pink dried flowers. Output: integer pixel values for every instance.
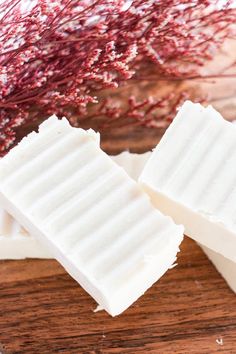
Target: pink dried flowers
(61, 56)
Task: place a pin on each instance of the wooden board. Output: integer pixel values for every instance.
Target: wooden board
(44, 311)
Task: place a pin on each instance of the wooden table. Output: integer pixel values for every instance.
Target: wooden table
(190, 310)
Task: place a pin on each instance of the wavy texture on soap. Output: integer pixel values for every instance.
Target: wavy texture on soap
(193, 169)
(90, 214)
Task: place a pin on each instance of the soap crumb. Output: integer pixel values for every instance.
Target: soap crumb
(98, 308)
(173, 265)
(219, 341)
(198, 284)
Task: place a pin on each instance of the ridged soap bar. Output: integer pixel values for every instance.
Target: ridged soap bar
(16, 243)
(89, 213)
(191, 176)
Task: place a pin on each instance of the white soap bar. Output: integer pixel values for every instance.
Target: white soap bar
(191, 176)
(225, 266)
(16, 243)
(89, 213)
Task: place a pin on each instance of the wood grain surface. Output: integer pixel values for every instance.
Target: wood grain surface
(190, 310)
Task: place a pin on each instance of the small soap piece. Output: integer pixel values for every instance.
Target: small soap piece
(93, 218)
(132, 163)
(225, 266)
(16, 243)
(191, 176)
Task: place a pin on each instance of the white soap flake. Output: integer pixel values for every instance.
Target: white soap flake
(173, 265)
(219, 341)
(98, 308)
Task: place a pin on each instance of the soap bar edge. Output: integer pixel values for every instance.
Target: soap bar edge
(164, 203)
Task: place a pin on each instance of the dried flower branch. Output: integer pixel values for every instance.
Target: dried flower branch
(57, 56)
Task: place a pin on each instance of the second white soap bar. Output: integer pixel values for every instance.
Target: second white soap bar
(89, 213)
(191, 176)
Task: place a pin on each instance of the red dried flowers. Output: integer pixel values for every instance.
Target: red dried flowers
(59, 56)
